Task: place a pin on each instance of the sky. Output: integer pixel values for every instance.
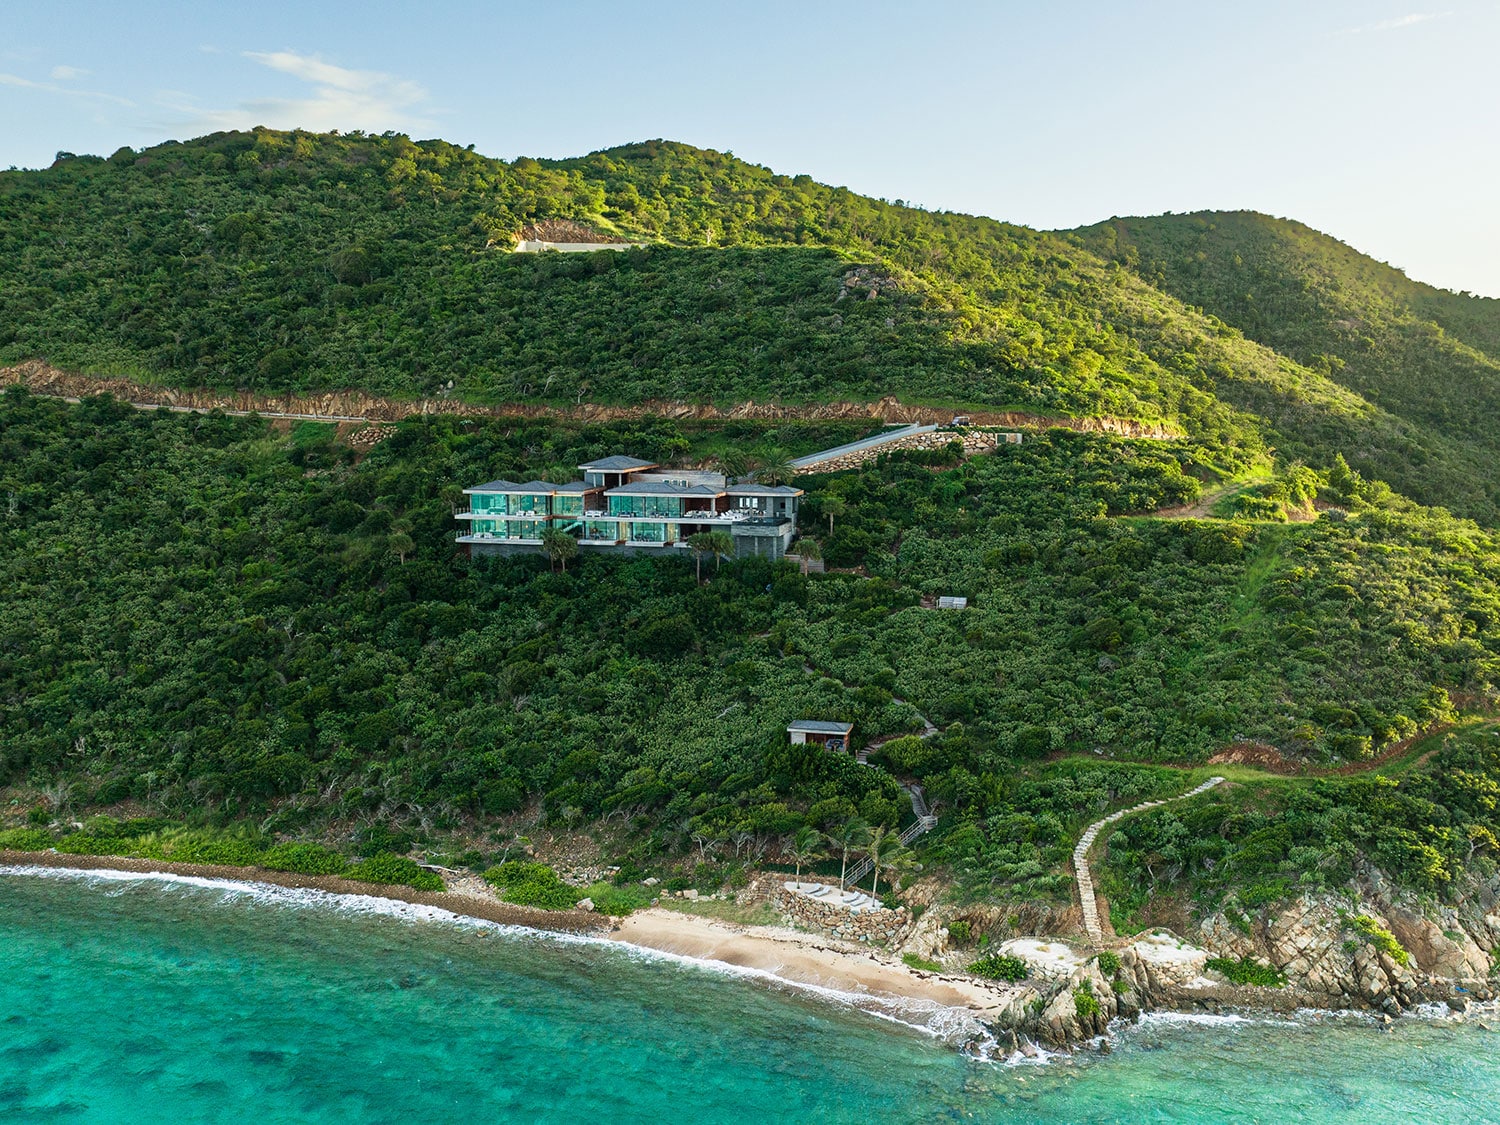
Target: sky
(1377, 122)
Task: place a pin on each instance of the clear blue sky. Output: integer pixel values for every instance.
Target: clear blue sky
(1378, 122)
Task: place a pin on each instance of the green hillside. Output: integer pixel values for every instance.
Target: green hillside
(208, 617)
(1426, 356)
(219, 622)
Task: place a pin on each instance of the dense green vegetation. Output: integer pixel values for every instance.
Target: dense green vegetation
(221, 623)
(1247, 971)
(288, 261)
(1246, 846)
(238, 845)
(211, 618)
(1427, 356)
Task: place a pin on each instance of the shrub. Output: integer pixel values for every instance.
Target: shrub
(305, 859)
(26, 839)
(619, 901)
(1109, 962)
(960, 933)
(1247, 971)
(201, 846)
(533, 884)
(86, 843)
(921, 964)
(396, 870)
(1381, 938)
(999, 966)
(1085, 1003)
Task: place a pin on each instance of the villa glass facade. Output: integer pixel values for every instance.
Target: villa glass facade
(624, 504)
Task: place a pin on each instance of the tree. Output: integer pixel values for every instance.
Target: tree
(775, 467)
(885, 852)
(701, 544)
(808, 550)
(806, 848)
(560, 547)
(400, 541)
(732, 463)
(832, 505)
(721, 546)
(895, 860)
(847, 837)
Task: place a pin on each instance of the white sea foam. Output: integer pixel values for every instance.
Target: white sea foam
(954, 1026)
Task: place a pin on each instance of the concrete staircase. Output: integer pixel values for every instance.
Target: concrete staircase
(1086, 841)
(925, 823)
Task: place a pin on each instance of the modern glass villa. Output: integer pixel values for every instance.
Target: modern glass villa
(625, 505)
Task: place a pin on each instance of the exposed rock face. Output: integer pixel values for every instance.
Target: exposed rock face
(928, 938)
(1331, 962)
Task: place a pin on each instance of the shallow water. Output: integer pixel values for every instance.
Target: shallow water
(147, 1000)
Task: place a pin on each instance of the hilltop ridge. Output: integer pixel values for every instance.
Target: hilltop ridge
(277, 263)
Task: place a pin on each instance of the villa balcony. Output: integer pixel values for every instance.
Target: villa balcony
(472, 515)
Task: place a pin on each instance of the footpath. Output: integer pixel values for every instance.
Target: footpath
(1086, 841)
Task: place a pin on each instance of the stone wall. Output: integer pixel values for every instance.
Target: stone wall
(974, 441)
(886, 927)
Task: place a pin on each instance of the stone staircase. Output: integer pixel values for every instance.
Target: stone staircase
(1086, 841)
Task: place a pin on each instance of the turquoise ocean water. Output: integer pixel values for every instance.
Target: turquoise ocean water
(160, 1001)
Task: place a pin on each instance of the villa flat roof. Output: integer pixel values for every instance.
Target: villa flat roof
(661, 488)
(494, 486)
(763, 490)
(529, 488)
(820, 726)
(618, 464)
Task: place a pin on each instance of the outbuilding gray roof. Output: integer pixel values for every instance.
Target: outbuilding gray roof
(618, 464)
(820, 726)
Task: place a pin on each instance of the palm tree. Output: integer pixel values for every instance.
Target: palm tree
(896, 860)
(808, 550)
(560, 547)
(721, 546)
(880, 848)
(732, 463)
(848, 837)
(701, 544)
(832, 505)
(775, 467)
(806, 847)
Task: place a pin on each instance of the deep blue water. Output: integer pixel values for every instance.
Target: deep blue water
(158, 1001)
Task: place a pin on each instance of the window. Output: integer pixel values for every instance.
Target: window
(567, 505)
(606, 530)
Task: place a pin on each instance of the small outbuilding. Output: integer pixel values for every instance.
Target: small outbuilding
(946, 602)
(835, 736)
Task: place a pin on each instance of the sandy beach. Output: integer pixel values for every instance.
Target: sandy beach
(787, 954)
(805, 958)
